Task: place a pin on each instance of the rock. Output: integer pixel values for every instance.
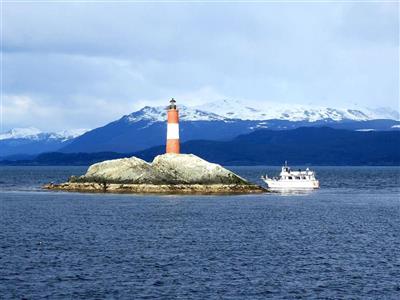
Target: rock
(191, 169)
(129, 170)
(168, 173)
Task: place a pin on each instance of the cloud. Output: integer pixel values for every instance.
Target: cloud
(20, 110)
(91, 63)
(24, 110)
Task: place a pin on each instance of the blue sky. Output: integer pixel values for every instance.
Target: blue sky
(77, 65)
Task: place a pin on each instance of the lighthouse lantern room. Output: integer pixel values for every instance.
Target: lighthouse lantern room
(173, 128)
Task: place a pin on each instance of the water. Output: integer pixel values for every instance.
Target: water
(342, 241)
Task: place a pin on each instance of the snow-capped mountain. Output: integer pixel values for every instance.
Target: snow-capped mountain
(21, 133)
(383, 113)
(276, 111)
(218, 121)
(227, 110)
(159, 114)
(33, 141)
(32, 133)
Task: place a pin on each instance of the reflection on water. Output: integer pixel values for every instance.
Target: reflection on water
(292, 192)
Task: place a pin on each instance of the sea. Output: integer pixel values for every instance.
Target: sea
(339, 242)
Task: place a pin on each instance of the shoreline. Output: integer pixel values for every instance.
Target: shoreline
(126, 188)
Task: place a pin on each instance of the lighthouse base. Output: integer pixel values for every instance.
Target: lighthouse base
(173, 146)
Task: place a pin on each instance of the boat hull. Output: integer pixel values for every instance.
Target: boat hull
(292, 184)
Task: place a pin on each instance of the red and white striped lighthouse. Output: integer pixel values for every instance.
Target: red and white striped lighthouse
(173, 128)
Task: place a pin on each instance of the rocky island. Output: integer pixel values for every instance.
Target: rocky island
(169, 173)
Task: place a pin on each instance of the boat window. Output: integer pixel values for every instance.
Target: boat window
(290, 177)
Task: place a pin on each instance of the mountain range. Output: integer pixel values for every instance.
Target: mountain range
(216, 121)
(305, 145)
(234, 109)
(25, 142)
(301, 146)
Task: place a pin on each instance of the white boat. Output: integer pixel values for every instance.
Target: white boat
(289, 179)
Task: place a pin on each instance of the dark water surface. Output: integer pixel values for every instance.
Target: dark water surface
(340, 242)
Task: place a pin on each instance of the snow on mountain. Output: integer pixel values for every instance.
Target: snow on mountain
(21, 133)
(226, 110)
(383, 113)
(159, 114)
(32, 133)
(69, 134)
(238, 110)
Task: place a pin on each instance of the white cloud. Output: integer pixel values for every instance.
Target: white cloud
(87, 64)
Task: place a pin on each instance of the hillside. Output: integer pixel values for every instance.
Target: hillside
(24, 142)
(306, 145)
(219, 121)
(147, 127)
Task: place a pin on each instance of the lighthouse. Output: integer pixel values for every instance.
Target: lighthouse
(173, 129)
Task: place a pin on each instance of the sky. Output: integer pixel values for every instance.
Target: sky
(73, 65)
